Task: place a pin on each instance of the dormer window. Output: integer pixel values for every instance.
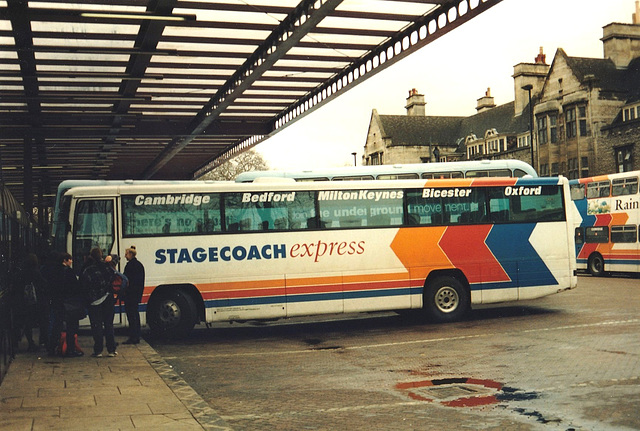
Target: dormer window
(489, 133)
(631, 113)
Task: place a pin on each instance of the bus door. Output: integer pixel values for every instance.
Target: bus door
(93, 225)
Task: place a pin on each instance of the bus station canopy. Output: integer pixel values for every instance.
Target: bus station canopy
(168, 89)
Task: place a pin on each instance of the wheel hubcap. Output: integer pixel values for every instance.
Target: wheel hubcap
(169, 313)
(447, 299)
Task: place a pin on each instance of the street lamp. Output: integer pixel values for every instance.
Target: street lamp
(354, 159)
(528, 88)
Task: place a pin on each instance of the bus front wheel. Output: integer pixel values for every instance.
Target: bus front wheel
(446, 299)
(596, 265)
(172, 315)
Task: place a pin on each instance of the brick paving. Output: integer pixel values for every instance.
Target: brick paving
(135, 390)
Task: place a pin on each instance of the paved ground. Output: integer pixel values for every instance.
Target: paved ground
(135, 390)
(565, 362)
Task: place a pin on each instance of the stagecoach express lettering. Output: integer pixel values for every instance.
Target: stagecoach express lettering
(217, 254)
(315, 251)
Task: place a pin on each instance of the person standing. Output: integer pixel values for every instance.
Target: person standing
(34, 275)
(64, 287)
(27, 284)
(96, 280)
(134, 270)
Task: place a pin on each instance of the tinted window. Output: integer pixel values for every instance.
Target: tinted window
(624, 186)
(167, 214)
(628, 233)
(259, 211)
(599, 189)
(597, 234)
(357, 208)
(433, 206)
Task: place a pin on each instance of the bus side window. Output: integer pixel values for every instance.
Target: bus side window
(624, 186)
(626, 234)
(413, 219)
(577, 192)
(548, 206)
(301, 210)
(499, 206)
(598, 189)
(499, 216)
(423, 211)
(597, 235)
(159, 217)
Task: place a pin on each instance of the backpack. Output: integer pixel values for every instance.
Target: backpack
(97, 279)
(119, 284)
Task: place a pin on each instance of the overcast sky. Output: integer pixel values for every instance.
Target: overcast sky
(452, 72)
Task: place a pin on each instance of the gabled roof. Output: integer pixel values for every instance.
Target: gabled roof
(603, 72)
(632, 80)
(500, 118)
(407, 130)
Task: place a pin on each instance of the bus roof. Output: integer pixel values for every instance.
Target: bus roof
(376, 170)
(227, 186)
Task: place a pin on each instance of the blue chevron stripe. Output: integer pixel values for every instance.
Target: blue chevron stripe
(510, 244)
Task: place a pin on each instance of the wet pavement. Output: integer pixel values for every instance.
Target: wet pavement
(568, 362)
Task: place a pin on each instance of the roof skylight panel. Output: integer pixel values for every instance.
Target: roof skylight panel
(388, 7)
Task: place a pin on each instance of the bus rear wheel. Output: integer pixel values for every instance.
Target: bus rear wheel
(172, 315)
(596, 265)
(446, 299)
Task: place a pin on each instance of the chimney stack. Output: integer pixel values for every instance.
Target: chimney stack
(541, 58)
(621, 42)
(415, 104)
(485, 103)
(524, 74)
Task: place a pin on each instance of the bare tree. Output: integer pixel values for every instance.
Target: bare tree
(247, 161)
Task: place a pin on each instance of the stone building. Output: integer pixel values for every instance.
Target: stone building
(411, 138)
(493, 132)
(586, 116)
(583, 111)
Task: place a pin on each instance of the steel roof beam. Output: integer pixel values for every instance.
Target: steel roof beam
(283, 39)
(352, 75)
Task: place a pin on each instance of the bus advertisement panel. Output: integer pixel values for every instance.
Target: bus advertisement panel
(225, 252)
(607, 216)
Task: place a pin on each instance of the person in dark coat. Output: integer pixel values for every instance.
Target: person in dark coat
(25, 302)
(41, 316)
(97, 278)
(64, 287)
(44, 301)
(134, 270)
